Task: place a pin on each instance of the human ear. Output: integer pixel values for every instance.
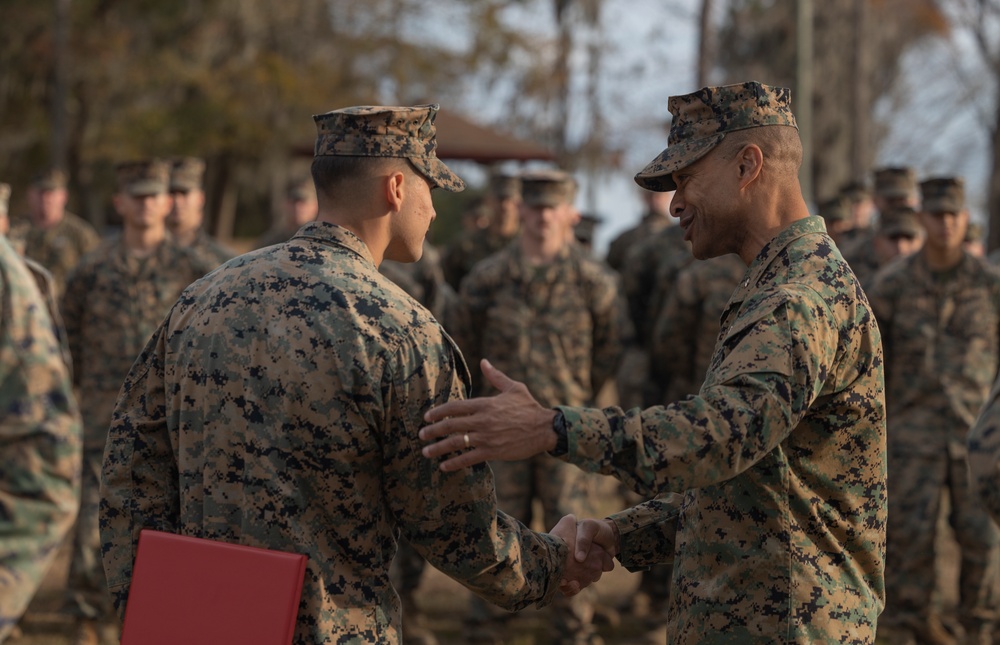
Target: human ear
(750, 161)
(395, 190)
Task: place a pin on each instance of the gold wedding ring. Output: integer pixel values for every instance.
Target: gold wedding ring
(466, 439)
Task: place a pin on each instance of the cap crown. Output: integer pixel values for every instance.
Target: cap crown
(897, 181)
(186, 173)
(144, 177)
(386, 131)
(942, 195)
(547, 188)
(702, 119)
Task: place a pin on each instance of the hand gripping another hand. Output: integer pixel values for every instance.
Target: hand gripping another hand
(592, 547)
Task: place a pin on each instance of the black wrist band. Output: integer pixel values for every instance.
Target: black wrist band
(562, 438)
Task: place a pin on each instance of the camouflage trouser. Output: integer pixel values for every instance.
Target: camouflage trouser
(561, 489)
(916, 483)
(87, 588)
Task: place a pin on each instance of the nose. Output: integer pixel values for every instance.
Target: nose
(677, 205)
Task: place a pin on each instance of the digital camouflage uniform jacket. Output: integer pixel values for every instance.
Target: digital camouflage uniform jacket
(779, 536)
(942, 340)
(687, 329)
(211, 252)
(39, 440)
(527, 321)
(112, 304)
(984, 454)
(278, 406)
(59, 249)
(650, 225)
(469, 249)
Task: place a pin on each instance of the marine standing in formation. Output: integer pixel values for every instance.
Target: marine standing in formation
(113, 301)
(51, 235)
(188, 213)
(939, 311)
(549, 314)
(278, 406)
(776, 525)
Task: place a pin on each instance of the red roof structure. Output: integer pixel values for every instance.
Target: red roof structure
(460, 138)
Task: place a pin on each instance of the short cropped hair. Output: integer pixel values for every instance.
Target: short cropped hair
(338, 176)
(780, 144)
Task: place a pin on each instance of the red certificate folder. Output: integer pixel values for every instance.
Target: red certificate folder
(203, 592)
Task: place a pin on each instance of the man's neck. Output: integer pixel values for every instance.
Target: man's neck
(185, 237)
(540, 252)
(142, 242)
(942, 259)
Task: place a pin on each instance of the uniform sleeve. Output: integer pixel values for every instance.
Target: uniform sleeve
(451, 519)
(611, 329)
(674, 339)
(984, 454)
(72, 308)
(881, 297)
(139, 478)
(40, 441)
(772, 366)
(647, 531)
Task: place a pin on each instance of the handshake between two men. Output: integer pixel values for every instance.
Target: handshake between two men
(508, 427)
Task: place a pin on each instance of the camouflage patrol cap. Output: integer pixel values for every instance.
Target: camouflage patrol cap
(505, 185)
(702, 119)
(974, 232)
(900, 221)
(895, 181)
(942, 195)
(855, 191)
(383, 131)
(547, 188)
(835, 209)
(49, 179)
(300, 188)
(186, 173)
(586, 227)
(4, 197)
(145, 177)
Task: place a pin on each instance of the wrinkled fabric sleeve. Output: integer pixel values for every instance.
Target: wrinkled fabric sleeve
(451, 519)
(648, 532)
(72, 308)
(139, 487)
(776, 358)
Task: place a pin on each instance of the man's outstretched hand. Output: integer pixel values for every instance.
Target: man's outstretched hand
(587, 559)
(509, 426)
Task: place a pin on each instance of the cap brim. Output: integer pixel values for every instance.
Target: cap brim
(940, 206)
(658, 173)
(904, 230)
(438, 174)
(146, 188)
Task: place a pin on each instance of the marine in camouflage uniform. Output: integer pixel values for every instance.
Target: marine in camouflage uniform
(186, 216)
(898, 233)
(39, 438)
(685, 334)
(777, 527)
(52, 236)
(299, 209)
(278, 406)
(939, 311)
(655, 219)
(895, 187)
(861, 206)
(113, 302)
(502, 200)
(423, 281)
(547, 312)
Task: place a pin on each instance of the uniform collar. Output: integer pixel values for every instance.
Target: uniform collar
(327, 233)
(797, 229)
